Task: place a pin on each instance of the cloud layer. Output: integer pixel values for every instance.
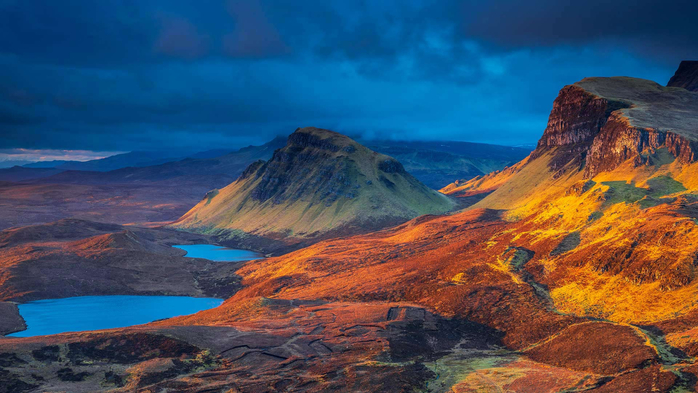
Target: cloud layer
(154, 74)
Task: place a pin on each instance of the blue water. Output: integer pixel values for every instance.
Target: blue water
(76, 314)
(217, 253)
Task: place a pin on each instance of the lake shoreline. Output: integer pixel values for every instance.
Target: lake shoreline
(11, 320)
(93, 313)
(218, 253)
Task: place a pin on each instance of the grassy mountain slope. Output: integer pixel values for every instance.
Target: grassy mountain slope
(321, 183)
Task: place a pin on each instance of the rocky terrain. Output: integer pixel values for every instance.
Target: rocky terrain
(321, 184)
(575, 271)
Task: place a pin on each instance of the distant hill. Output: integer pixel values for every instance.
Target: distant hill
(207, 172)
(439, 163)
(686, 76)
(320, 184)
(48, 164)
(20, 173)
(118, 161)
(208, 168)
(160, 193)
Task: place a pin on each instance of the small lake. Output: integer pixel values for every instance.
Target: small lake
(218, 253)
(76, 314)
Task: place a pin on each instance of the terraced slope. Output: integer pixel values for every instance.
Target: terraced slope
(321, 184)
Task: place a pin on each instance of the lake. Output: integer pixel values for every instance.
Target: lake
(218, 253)
(77, 314)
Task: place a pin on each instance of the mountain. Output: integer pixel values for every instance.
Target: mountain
(49, 164)
(438, 163)
(686, 76)
(597, 125)
(20, 173)
(321, 184)
(138, 159)
(117, 161)
(206, 172)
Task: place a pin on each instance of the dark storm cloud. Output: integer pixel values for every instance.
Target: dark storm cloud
(664, 28)
(253, 34)
(146, 74)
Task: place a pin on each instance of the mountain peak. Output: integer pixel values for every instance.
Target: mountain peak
(322, 139)
(321, 182)
(686, 76)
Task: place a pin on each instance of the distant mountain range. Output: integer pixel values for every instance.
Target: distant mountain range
(118, 161)
(205, 171)
(144, 166)
(439, 163)
(164, 192)
(435, 163)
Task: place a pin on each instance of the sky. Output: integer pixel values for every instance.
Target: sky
(87, 77)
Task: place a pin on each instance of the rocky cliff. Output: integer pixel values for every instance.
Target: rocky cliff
(603, 122)
(597, 124)
(320, 183)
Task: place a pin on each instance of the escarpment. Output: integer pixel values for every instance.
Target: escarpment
(596, 126)
(599, 123)
(577, 117)
(620, 142)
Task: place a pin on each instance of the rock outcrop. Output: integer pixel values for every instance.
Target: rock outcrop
(603, 122)
(686, 76)
(597, 124)
(321, 184)
(577, 117)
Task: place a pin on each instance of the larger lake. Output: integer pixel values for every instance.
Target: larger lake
(76, 314)
(218, 253)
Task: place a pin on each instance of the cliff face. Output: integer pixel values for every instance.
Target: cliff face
(320, 183)
(577, 117)
(686, 76)
(600, 123)
(620, 141)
